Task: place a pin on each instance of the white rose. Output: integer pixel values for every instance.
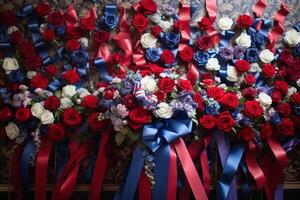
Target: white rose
(37, 110)
(164, 110)
(298, 82)
(291, 91)
(232, 74)
(12, 131)
(11, 29)
(254, 67)
(156, 18)
(66, 103)
(68, 91)
(148, 40)
(10, 64)
(266, 56)
(83, 92)
(165, 25)
(212, 64)
(225, 23)
(30, 74)
(47, 117)
(244, 40)
(84, 41)
(264, 100)
(292, 37)
(148, 83)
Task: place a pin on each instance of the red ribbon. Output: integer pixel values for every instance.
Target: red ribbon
(66, 182)
(144, 187)
(278, 152)
(254, 168)
(40, 186)
(172, 180)
(123, 40)
(100, 168)
(190, 170)
(71, 17)
(278, 29)
(16, 171)
(204, 164)
(259, 7)
(91, 13)
(184, 17)
(211, 9)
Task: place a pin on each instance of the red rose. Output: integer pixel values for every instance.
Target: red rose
(56, 132)
(161, 96)
(8, 17)
(208, 121)
(167, 57)
(95, 124)
(138, 116)
(26, 49)
(148, 7)
(140, 22)
(244, 21)
(16, 37)
(281, 86)
(73, 45)
(265, 130)
(52, 103)
(72, 117)
(205, 23)
(90, 102)
(268, 70)
(56, 18)
(208, 82)
(22, 114)
(286, 58)
(42, 9)
(71, 76)
(178, 25)
(242, 66)
(225, 122)
(51, 69)
(281, 72)
(48, 35)
(247, 133)
(186, 54)
(166, 85)
(286, 127)
(5, 114)
(206, 75)
(205, 42)
(249, 79)
(39, 81)
(156, 30)
(252, 109)
(198, 99)
(215, 92)
(101, 37)
(108, 94)
(295, 98)
(129, 101)
(73, 32)
(284, 109)
(33, 62)
(229, 101)
(276, 96)
(296, 120)
(88, 23)
(185, 85)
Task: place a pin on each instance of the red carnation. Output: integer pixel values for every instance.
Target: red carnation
(22, 114)
(140, 22)
(185, 85)
(268, 70)
(148, 7)
(242, 66)
(252, 109)
(286, 127)
(95, 123)
(247, 133)
(88, 23)
(281, 86)
(42, 9)
(167, 57)
(205, 42)
(52, 103)
(156, 30)
(71, 76)
(72, 117)
(229, 101)
(208, 121)
(90, 102)
(225, 122)
(56, 131)
(166, 85)
(244, 21)
(186, 54)
(138, 116)
(215, 92)
(39, 81)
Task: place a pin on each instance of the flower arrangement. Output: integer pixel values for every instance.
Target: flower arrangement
(163, 84)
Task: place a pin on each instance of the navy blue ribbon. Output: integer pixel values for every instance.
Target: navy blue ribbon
(63, 154)
(102, 69)
(297, 27)
(25, 11)
(25, 161)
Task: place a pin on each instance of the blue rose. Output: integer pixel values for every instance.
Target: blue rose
(16, 76)
(170, 39)
(251, 55)
(110, 21)
(245, 121)
(153, 54)
(201, 58)
(275, 119)
(259, 39)
(80, 57)
(60, 30)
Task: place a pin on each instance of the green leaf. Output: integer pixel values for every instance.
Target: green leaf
(132, 136)
(119, 138)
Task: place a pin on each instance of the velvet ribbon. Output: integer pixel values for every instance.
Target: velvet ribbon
(259, 7)
(278, 29)
(40, 186)
(16, 171)
(65, 185)
(100, 168)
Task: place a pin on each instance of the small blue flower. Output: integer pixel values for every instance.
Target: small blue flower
(201, 58)
(275, 119)
(60, 30)
(153, 54)
(16, 76)
(80, 57)
(127, 88)
(251, 55)
(110, 21)
(212, 109)
(170, 39)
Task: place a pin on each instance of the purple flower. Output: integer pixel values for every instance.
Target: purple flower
(227, 53)
(238, 52)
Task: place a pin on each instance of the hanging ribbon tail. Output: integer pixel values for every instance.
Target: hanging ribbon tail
(259, 7)
(192, 73)
(211, 8)
(127, 190)
(144, 187)
(229, 170)
(40, 186)
(123, 21)
(25, 161)
(100, 168)
(278, 152)
(204, 164)
(184, 17)
(255, 169)
(190, 170)
(16, 172)
(268, 186)
(172, 181)
(71, 17)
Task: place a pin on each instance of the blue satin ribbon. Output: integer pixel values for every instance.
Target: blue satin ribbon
(25, 11)
(297, 27)
(225, 38)
(229, 170)
(102, 69)
(90, 169)
(110, 8)
(55, 85)
(63, 154)
(25, 161)
(246, 186)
